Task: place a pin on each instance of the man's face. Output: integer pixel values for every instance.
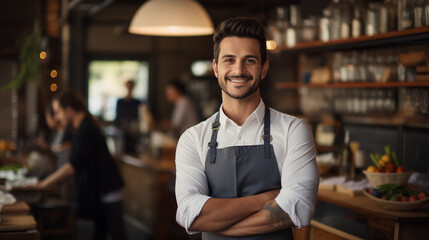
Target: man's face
(60, 114)
(239, 69)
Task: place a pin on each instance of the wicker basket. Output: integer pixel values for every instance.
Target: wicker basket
(397, 206)
(376, 179)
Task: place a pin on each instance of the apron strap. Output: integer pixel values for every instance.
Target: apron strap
(267, 137)
(213, 140)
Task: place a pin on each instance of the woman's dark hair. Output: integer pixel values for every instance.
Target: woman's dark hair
(49, 110)
(240, 27)
(179, 86)
(71, 99)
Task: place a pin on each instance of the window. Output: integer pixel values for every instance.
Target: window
(107, 84)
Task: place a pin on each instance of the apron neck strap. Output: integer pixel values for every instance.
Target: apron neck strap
(267, 137)
(213, 140)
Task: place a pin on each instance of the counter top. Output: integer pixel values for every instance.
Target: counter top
(362, 204)
(149, 161)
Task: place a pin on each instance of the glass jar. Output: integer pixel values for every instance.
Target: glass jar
(309, 30)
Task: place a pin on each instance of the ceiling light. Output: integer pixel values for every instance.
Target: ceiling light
(171, 18)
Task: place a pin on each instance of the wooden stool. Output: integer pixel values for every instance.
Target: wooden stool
(55, 219)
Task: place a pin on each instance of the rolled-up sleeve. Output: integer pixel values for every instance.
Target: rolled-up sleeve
(300, 177)
(191, 182)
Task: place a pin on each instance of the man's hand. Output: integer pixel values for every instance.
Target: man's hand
(221, 213)
(269, 218)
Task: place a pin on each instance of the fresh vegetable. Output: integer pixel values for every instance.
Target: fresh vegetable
(422, 195)
(412, 198)
(376, 193)
(11, 167)
(385, 163)
(398, 192)
(371, 169)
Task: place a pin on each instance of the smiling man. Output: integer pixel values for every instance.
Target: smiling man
(247, 172)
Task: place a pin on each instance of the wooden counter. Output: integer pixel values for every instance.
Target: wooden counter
(149, 194)
(383, 224)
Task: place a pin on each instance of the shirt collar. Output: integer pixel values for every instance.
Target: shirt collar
(259, 113)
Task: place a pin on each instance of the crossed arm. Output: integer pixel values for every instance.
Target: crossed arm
(244, 216)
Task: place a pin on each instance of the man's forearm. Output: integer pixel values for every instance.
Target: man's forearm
(269, 218)
(220, 213)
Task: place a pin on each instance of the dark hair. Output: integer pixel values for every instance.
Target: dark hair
(71, 99)
(178, 85)
(240, 27)
(49, 110)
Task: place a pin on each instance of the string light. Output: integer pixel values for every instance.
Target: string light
(42, 55)
(54, 87)
(54, 73)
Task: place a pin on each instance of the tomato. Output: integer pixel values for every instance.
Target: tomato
(404, 199)
(400, 169)
(422, 195)
(391, 167)
(413, 198)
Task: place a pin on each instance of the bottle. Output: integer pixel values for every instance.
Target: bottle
(334, 8)
(293, 30)
(427, 12)
(348, 166)
(373, 19)
(281, 25)
(325, 26)
(405, 14)
(419, 18)
(345, 18)
(357, 21)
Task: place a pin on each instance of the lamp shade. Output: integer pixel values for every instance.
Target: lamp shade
(171, 18)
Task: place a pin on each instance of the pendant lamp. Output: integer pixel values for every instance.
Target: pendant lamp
(171, 18)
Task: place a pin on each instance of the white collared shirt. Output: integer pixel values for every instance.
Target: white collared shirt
(295, 153)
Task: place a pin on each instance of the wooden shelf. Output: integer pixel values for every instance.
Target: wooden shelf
(394, 37)
(296, 85)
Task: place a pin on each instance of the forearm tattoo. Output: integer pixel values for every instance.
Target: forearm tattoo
(276, 217)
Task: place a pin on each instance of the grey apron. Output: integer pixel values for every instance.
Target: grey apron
(241, 171)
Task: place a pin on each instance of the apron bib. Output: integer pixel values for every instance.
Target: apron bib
(241, 171)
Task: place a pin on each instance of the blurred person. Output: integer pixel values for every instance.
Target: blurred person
(60, 145)
(185, 113)
(97, 179)
(127, 117)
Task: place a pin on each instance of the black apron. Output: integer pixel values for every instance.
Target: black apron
(240, 171)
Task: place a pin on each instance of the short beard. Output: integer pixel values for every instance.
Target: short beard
(248, 93)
